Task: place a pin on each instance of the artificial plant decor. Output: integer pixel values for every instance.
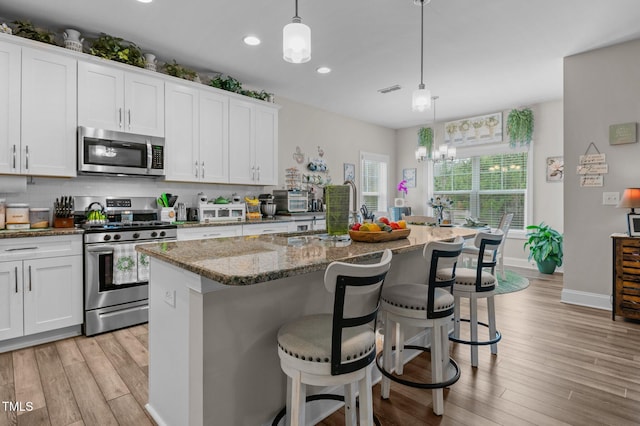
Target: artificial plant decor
(229, 84)
(27, 30)
(520, 127)
(545, 247)
(116, 49)
(425, 138)
(176, 70)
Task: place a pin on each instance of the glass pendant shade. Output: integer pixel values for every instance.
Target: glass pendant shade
(296, 42)
(421, 99)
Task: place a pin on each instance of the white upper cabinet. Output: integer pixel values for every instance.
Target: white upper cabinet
(112, 99)
(196, 135)
(48, 108)
(253, 143)
(9, 114)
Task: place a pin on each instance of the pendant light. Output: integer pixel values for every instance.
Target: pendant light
(421, 100)
(296, 41)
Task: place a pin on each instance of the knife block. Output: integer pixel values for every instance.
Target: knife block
(63, 222)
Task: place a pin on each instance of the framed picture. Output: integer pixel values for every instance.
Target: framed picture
(410, 176)
(555, 169)
(474, 130)
(349, 171)
(634, 224)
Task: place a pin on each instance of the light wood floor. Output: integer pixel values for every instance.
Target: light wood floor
(557, 364)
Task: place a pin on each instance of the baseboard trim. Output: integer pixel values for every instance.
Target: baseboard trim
(524, 263)
(154, 415)
(583, 298)
(40, 338)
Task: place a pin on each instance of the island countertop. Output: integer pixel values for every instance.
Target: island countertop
(238, 261)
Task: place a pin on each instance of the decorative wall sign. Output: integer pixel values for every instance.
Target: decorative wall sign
(591, 181)
(474, 130)
(555, 169)
(349, 171)
(410, 176)
(622, 133)
(593, 169)
(592, 158)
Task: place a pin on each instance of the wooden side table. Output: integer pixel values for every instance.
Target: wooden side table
(626, 277)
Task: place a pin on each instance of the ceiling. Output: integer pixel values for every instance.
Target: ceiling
(480, 56)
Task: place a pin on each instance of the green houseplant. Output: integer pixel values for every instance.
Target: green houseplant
(180, 71)
(116, 49)
(27, 30)
(545, 247)
(520, 126)
(425, 138)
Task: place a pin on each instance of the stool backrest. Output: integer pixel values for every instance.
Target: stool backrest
(487, 241)
(441, 256)
(504, 225)
(357, 289)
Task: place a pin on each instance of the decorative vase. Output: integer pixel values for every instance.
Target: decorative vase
(547, 266)
(150, 61)
(72, 39)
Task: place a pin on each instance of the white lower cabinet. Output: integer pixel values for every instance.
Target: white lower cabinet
(265, 228)
(204, 232)
(40, 285)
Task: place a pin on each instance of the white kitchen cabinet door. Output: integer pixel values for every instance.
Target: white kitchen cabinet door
(9, 113)
(111, 99)
(181, 139)
(205, 232)
(49, 106)
(144, 104)
(214, 137)
(265, 228)
(100, 97)
(266, 145)
(52, 293)
(10, 300)
(241, 142)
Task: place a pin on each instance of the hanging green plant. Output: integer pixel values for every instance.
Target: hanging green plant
(26, 29)
(520, 127)
(425, 138)
(116, 49)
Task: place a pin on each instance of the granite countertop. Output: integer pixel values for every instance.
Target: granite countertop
(255, 259)
(44, 232)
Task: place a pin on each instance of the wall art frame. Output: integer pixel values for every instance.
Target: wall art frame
(555, 169)
(474, 130)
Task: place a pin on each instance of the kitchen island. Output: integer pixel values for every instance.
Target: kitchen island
(215, 307)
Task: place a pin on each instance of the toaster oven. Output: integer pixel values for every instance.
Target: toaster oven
(291, 201)
(208, 212)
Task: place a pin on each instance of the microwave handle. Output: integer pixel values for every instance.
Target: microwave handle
(149, 156)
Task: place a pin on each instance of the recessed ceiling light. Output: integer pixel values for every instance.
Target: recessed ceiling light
(145, 1)
(323, 70)
(251, 40)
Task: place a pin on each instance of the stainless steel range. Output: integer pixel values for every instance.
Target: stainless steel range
(116, 277)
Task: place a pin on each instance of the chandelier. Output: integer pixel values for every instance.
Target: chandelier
(443, 153)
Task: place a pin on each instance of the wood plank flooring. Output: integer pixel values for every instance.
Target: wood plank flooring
(557, 365)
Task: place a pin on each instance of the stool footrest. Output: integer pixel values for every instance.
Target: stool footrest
(476, 343)
(316, 397)
(421, 385)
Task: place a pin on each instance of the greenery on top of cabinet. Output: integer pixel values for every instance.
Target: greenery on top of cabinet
(26, 29)
(116, 49)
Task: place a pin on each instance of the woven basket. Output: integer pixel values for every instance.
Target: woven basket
(378, 237)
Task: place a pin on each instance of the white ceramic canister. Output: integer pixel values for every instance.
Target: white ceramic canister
(2, 213)
(17, 213)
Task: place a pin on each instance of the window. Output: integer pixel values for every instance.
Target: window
(373, 176)
(485, 187)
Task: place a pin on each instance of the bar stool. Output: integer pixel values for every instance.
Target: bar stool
(474, 284)
(338, 348)
(504, 225)
(426, 306)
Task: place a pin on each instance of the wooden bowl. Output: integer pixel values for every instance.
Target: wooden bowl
(378, 237)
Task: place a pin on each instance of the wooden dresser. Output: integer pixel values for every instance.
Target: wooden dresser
(626, 277)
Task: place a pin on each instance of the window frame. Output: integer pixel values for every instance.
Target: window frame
(383, 197)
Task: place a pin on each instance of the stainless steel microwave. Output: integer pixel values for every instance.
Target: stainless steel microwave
(119, 153)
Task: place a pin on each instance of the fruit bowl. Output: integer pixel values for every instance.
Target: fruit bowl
(377, 237)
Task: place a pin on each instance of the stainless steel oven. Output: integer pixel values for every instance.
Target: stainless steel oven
(116, 284)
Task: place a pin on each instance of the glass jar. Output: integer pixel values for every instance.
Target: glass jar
(39, 217)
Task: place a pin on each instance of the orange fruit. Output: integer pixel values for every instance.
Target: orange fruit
(402, 224)
(373, 227)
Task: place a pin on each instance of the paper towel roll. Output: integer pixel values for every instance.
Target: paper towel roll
(13, 184)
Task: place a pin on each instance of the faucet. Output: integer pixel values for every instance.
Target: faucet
(354, 212)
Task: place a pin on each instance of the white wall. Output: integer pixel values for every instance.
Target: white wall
(600, 88)
(546, 204)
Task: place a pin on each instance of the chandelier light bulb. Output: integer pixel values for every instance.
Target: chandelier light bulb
(421, 99)
(296, 41)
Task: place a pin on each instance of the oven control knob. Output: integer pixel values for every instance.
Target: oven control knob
(154, 234)
(116, 237)
(107, 237)
(136, 235)
(162, 233)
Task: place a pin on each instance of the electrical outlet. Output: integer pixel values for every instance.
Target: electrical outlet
(170, 298)
(610, 198)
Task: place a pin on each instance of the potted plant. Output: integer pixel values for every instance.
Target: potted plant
(545, 247)
(180, 71)
(116, 49)
(425, 138)
(27, 30)
(520, 126)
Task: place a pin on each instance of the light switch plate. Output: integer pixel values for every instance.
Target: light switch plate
(610, 198)
(170, 298)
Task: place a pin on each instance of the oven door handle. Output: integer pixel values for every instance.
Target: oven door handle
(100, 250)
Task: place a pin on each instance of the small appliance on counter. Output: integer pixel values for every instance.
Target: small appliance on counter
(267, 205)
(291, 201)
(210, 212)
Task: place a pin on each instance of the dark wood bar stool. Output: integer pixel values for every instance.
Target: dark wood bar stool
(337, 348)
(426, 305)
